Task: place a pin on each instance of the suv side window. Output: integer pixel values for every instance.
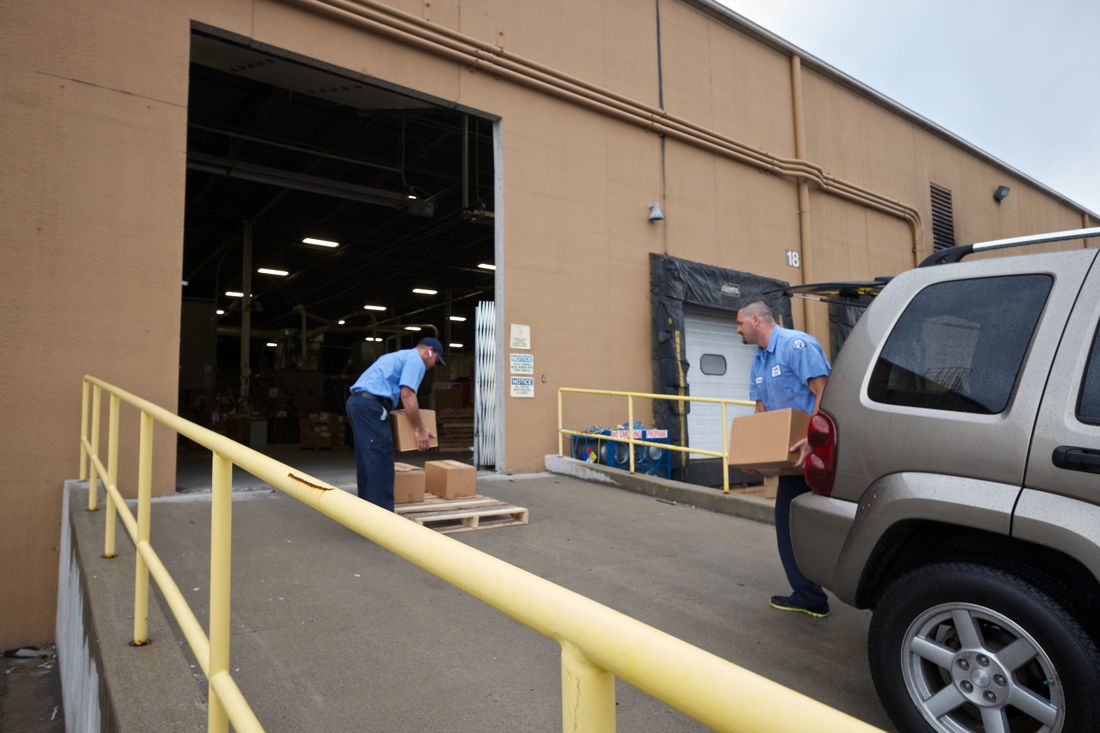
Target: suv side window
(959, 345)
(1088, 405)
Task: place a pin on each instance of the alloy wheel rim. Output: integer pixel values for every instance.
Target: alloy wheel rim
(969, 668)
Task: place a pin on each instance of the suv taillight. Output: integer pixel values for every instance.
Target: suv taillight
(820, 468)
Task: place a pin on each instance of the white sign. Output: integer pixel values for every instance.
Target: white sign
(523, 386)
(522, 363)
(521, 336)
(793, 258)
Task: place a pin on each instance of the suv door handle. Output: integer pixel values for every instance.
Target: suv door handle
(1077, 459)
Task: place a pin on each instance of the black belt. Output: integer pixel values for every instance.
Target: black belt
(384, 401)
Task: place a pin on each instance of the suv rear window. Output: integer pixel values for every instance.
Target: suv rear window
(960, 344)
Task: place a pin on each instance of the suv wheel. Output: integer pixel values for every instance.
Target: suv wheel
(960, 647)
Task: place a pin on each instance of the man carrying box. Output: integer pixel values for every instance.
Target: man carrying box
(393, 377)
(789, 370)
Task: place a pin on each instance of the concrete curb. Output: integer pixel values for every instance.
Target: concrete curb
(740, 505)
(154, 687)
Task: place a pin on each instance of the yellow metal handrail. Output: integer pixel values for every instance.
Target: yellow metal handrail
(597, 642)
(724, 455)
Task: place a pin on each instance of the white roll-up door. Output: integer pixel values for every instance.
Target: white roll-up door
(719, 366)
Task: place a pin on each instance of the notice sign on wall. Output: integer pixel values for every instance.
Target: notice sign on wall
(521, 337)
(521, 363)
(523, 386)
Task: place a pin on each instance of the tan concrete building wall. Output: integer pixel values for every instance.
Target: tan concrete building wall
(93, 115)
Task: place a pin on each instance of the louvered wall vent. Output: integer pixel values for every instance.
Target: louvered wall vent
(943, 219)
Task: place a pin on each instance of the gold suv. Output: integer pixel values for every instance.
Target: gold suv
(956, 489)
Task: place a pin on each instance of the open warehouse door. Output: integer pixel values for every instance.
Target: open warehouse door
(329, 218)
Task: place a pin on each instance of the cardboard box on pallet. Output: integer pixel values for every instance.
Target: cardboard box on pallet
(760, 441)
(404, 437)
(408, 483)
(450, 479)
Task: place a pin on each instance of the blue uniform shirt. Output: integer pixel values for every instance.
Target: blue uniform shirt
(780, 372)
(386, 376)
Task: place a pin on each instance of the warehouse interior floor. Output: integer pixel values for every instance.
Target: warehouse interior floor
(335, 466)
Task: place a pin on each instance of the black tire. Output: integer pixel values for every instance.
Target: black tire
(1022, 662)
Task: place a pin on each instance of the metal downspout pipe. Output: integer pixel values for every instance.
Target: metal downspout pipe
(809, 319)
(476, 55)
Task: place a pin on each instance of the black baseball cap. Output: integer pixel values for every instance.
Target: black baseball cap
(433, 343)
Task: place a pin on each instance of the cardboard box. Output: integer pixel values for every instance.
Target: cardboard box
(450, 479)
(404, 437)
(408, 483)
(760, 441)
(766, 490)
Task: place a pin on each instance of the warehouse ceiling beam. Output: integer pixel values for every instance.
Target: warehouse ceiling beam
(221, 166)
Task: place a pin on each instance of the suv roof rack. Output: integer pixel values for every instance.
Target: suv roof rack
(956, 253)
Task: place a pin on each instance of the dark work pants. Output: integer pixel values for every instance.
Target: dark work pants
(370, 425)
(806, 593)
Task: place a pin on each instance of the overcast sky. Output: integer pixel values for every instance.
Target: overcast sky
(1019, 79)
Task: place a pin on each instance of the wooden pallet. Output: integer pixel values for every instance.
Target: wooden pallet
(462, 515)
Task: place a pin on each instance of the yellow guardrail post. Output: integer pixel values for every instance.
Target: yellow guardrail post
(111, 480)
(587, 693)
(560, 425)
(221, 528)
(726, 451)
(630, 429)
(83, 430)
(141, 568)
(93, 481)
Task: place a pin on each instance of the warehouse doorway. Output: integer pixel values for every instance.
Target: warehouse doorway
(329, 218)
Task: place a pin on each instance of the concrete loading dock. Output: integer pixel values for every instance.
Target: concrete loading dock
(331, 632)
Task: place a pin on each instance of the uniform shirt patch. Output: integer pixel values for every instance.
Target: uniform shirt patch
(798, 344)
(776, 371)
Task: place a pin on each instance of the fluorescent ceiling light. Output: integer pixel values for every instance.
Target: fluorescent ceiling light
(487, 266)
(269, 271)
(272, 344)
(320, 242)
(234, 294)
(220, 312)
(460, 319)
(455, 346)
(425, 291)
(412, 328)
(374, 307)
(341, 322)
